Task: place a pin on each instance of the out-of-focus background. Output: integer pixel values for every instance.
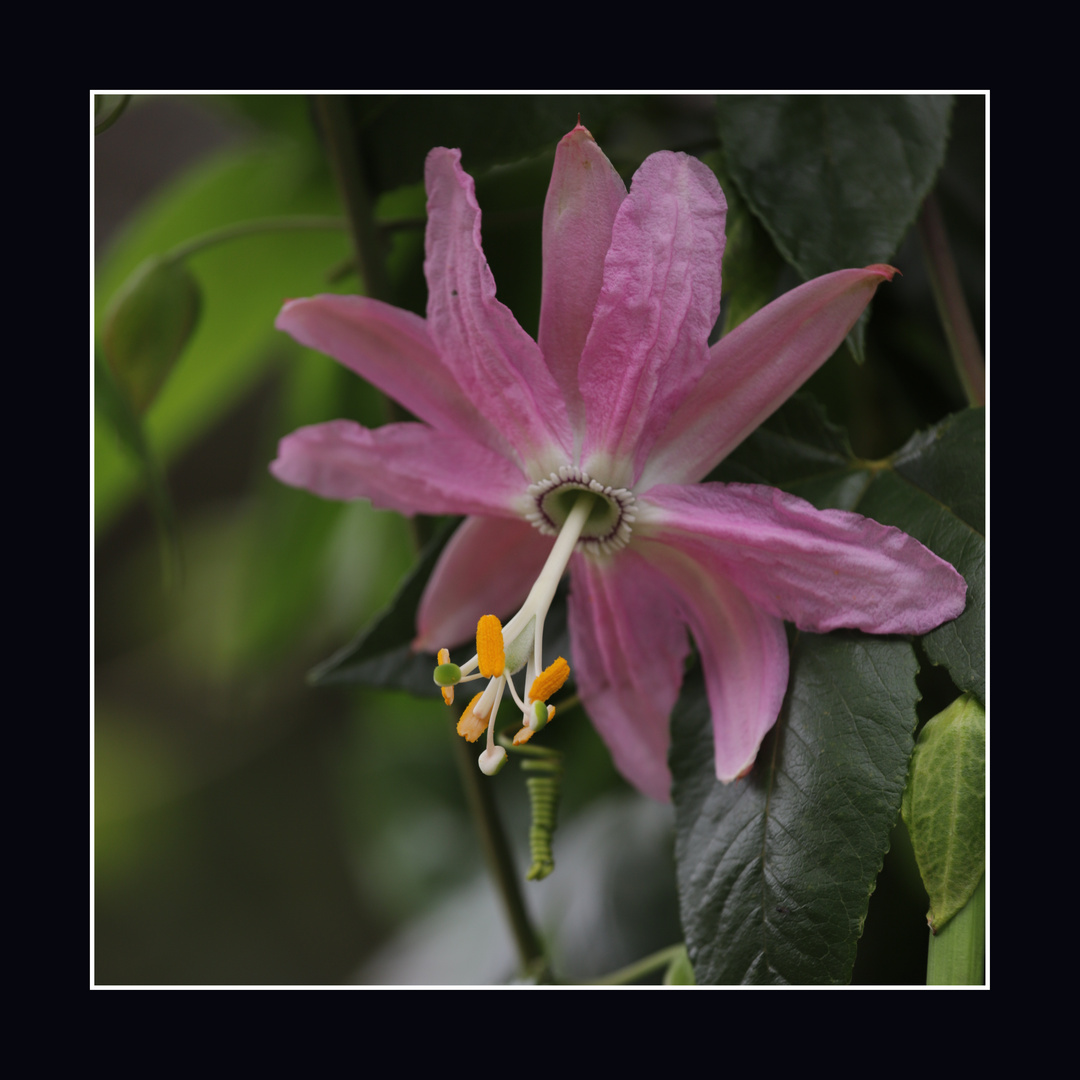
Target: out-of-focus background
(251, 829)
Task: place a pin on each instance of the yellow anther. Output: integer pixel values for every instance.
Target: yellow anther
(489, 646)
(523, 736)
(549, 680)
(470, 727)
(447, 691)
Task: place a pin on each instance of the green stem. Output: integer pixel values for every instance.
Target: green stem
(952, 308)
(114, 115)
(564, 705)
(956, 950)
(639, 969)
(481, 799)
(368, 244)
(348, 170)
(299, 222)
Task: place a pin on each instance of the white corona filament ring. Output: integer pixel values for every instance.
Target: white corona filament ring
(610, 522)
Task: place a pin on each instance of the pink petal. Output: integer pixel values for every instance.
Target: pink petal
(392, 349)
(821, 569)
(492, 359)
(628, 648)
(661, 296)
(744, 656)
(487, 568)
(410, 468)
(582, 201)
(753, 370)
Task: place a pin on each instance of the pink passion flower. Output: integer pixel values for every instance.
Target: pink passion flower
(596, 434)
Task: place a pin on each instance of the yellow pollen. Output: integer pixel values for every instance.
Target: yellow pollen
(489, 646)
(549, 680)
(470, 727)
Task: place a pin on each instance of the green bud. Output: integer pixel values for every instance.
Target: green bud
(148, 323)
(944, 807)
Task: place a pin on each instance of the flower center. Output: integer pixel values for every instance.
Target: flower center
(609, 523)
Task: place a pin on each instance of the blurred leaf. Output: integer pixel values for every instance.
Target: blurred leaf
(116, 103)
(932, 488)
(382, 655)
(331, 565)
(148, 323)
(116, 409)
(775, 871)
(945, 807)
(397, 132)
(244, 283)
(610, 903)
(127, 427)
(283, 114)
(836, 180)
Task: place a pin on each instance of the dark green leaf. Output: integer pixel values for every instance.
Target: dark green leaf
(799, 450)
(775, 871)
(837, 181)
(934, 490)
(752, 265)
(148, 323)
(945, 807)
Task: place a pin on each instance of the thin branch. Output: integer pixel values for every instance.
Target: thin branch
(952, 308)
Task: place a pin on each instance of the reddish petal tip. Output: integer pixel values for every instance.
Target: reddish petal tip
(885, 270)
(579, 132)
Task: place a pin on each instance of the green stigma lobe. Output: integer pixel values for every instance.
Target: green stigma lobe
(447, 675)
